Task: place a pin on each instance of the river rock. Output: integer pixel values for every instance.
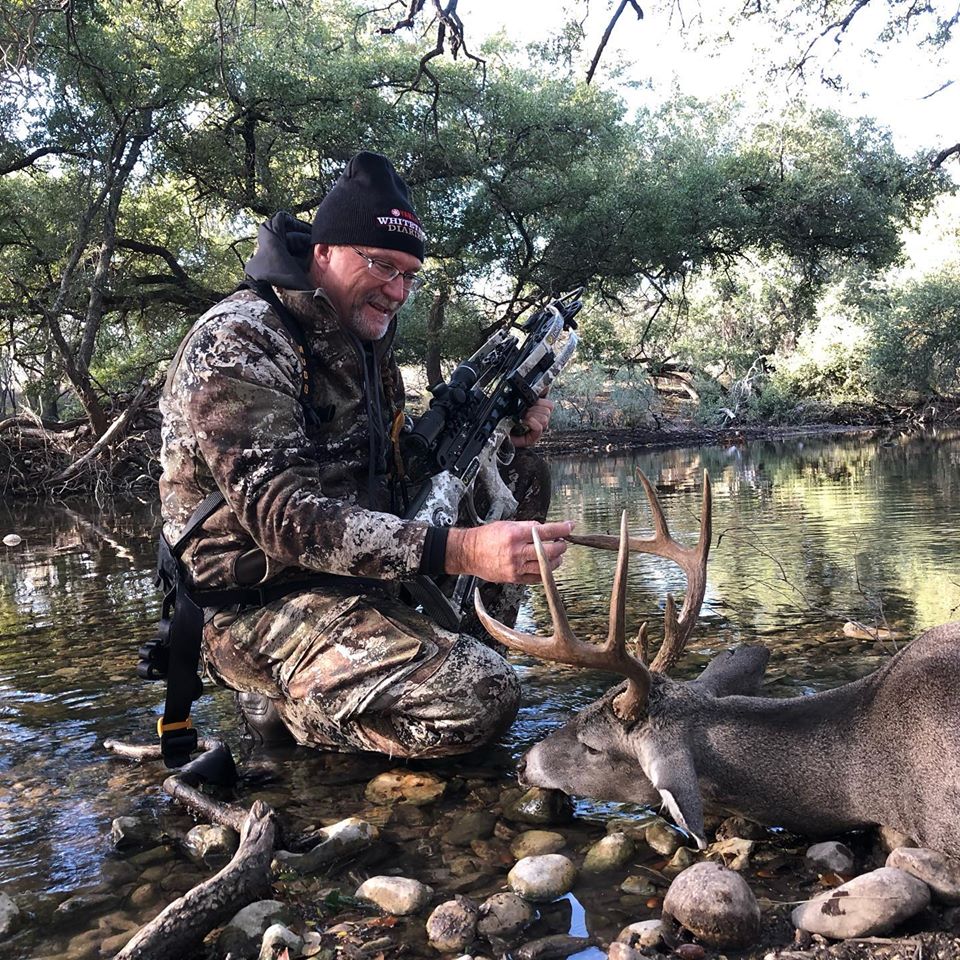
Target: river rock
(612, 852)
(474, 825)
(742, 828)
(734, 852)
(9, 915)
(870, 904)
(940, 873)
(242, 936)
(715, 905)
(403, 786)
(397, 895)
(12, 540)
(453, 925)
(503, 915)
(211, 844)
(342, 839)
(831, 857)
(132, 832)
(663, 838)
(543, 878)
(277, 938)
(556, 945)
(683, 858)
(638, 887)
(890, 839)
(85, 904)
(535, 843)
(642, 935)
(539, 806)
(623, 951)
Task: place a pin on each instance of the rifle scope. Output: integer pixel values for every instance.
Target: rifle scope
(447, 397)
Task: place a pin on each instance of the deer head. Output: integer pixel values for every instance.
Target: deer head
(647, 720)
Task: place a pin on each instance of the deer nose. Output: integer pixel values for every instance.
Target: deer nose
(521, 770)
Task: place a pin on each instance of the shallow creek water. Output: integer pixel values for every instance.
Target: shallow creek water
(808, 533)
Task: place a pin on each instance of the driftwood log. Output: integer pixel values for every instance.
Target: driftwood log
(181, 927)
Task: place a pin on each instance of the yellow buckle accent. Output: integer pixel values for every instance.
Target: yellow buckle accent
(179, 725)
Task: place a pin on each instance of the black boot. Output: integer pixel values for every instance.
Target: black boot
(262, 719)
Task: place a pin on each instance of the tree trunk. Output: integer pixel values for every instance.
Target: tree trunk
(434, 326)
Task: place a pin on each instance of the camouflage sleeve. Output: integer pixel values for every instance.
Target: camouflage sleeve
(238, 384)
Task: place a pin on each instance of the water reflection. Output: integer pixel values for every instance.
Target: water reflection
(807, 534)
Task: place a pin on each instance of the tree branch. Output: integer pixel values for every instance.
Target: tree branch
(606, 33)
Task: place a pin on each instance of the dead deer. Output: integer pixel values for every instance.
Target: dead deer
(884, 749)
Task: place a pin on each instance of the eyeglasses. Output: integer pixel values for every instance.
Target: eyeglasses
(387, 271)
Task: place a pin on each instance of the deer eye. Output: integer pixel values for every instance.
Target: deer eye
(591, 751)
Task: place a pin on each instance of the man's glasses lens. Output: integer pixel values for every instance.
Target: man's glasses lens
(386, 272)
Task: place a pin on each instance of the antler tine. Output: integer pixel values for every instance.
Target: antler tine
(562, 646)
(633, 701)
(692, 560)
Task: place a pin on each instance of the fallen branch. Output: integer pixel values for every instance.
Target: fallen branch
(181, 927)
(113, 433)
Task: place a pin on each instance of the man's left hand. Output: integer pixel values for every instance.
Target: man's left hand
(535, 420)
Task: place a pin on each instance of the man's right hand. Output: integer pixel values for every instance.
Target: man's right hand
(503, 552)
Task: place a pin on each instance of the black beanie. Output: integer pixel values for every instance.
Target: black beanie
(369, 206)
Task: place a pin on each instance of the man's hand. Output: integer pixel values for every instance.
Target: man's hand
(535, 420)
(503, 552)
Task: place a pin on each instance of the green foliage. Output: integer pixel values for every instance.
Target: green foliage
(591, 396)
(916, 335)
(142, 144)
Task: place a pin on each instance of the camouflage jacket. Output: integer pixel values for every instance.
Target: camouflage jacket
(303, 493)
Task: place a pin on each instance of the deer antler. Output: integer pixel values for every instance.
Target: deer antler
(563, 646)
(692, 560)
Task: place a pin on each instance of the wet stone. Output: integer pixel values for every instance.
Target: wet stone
(503, 915)
(113, 944)
(278, 938)
(211, 845)
(453, 925)
(542, 878)
(623, 951)
(535, 843)
(831, 857)
(663, 838)
(682, 859)
(734, 853)
(940, 873)
(742, 828)
(641, 935)
(118, 872)
(558, 945)
(538, 806)
(400, 896)
(866, 906)
(242, 936)
(81, 905)
(474, 825)
(148, 858)
(396, 786)
(180, 881)
(144, 896)
(637, 887)
(715, 905)
(9, 915)
(890, 839)
(612, 852)
(127, 832)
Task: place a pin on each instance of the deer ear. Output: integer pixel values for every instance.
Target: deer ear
(673, 774)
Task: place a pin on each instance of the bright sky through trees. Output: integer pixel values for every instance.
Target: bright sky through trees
(893, 83)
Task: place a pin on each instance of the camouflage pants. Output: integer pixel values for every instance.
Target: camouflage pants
(352, 673)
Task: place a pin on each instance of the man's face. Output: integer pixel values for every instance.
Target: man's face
(364, 303)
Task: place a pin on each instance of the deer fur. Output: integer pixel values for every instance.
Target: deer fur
(883, 750)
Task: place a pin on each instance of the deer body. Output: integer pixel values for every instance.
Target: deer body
(884, 749)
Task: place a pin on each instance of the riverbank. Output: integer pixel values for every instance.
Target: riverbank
(41, 460)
